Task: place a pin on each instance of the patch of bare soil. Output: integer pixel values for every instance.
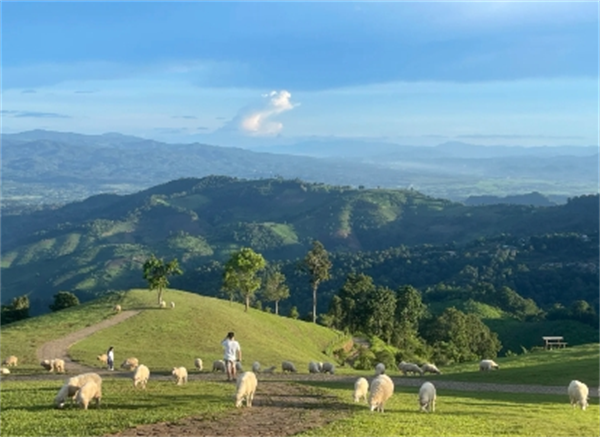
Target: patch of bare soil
(279, 409)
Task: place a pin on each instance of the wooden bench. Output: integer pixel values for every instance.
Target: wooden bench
(556, 341)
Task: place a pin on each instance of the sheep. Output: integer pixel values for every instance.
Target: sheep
(288, 366)
(382, 388)
(379, 369)
(219, 366)
(180, 374)
(270, 370)
(10, 361)
(245, 389)
(72, 386)
(103, 359)
(198, 364)
(314, 367)
(162, 304)
(130, 363)
(361, 389)
(52, 365)
(90, 390)
(4, 371)
(409, 368)
(140, 376)
(117, 308)
(238, 367)
(256, 367)
(578, 394)
(487, 365)
(427, 397)
(328, 368)
(431, 368)
(46, 365)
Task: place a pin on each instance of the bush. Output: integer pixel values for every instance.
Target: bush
(365, 360)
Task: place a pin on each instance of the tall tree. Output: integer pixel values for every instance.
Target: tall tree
(157, 272)
(275, 288)
(317, 264)
(62, 300)
(241, 274)
(17, 310)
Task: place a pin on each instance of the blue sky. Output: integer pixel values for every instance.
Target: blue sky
(251, 74)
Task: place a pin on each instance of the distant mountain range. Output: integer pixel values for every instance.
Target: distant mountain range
(40, 167)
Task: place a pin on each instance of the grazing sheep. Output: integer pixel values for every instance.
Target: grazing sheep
(130, 363)
(427, 397)
(578, 394)
(117, 308)
(5, 371)
(379, 369)
(72, 386)
(256, 367)
(431, 368)
(288, 366)
(314, 367)
(90, 390)
(141, 376)
(198, 364)
(382, 388)
(103, 359)
(172, 304)
(46, 365)
(10, 361)
(180, 374)
(486, 365)
(328, 368)
(57, 365)
(238, 367)
(409, 368)
(219, 366)
(162, 304)
(361, 389)
(270, 370)
(245, 388)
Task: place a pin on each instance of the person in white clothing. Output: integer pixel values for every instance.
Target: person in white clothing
(233, 352)
(110, 354)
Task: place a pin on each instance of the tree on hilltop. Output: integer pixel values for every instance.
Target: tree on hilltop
(62, 300)
(275, 288)
(317, 265)
(157, 272)
(241, 274)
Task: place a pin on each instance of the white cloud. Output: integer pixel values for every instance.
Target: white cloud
(259, 120)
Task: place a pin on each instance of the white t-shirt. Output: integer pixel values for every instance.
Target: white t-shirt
(111, 355)
(231, 349)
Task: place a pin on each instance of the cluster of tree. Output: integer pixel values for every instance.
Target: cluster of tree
(19, 308)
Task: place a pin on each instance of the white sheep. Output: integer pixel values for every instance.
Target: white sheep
(72, 386)
(130, 363)
(486, 365)
(117, 308)
(162, 304)
(141, 376)
(219, 366)
(57, 365)
(256, 367)
(314, 367)
(238, 367)
(4, 371)
(379, 369)
(382, 388)
(361, 389)
(103, 359)
(328, 368)
(288, 366)
(409, 368)
(90, 390)
(270, 370)
(427, 397)
(180, 374)
(172, 304)
(245, 389)
(578, 394)
(198, 364)
(10, 361)
(431, 368)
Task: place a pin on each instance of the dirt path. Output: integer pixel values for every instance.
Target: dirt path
(279, 409)
(60, 348)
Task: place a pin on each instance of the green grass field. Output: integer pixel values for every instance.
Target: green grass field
(464, 414)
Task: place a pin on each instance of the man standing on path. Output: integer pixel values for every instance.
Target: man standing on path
(233, 352)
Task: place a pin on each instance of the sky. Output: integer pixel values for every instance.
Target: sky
(261, 74)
